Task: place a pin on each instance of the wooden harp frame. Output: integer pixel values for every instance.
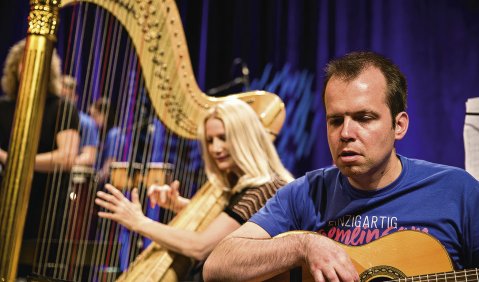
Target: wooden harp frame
(155, 29)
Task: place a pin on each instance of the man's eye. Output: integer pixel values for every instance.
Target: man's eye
(365, 118)
(335, 121)
(209, 140)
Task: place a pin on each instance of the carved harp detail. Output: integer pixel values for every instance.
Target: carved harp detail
(156, 31)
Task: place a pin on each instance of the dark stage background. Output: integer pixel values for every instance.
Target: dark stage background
(286, 44)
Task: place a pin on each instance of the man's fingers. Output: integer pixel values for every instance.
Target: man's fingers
(347, 272)
(330, 275)
(318, 276)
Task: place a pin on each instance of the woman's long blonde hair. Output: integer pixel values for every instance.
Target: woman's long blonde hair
(11, 75)
(249, 144)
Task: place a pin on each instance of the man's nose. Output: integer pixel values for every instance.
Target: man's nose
(348, 130)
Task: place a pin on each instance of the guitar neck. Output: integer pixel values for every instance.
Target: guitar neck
(460, 275)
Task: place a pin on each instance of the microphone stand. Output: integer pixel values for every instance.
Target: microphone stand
(215, 90)
(243, 79)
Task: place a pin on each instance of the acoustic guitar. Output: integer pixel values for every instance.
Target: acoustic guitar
(401, 256)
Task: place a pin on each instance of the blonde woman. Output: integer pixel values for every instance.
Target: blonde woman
(238, 155)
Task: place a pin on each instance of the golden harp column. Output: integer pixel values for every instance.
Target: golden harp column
(16, 185)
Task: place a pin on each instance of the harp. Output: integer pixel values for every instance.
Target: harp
(155, 30)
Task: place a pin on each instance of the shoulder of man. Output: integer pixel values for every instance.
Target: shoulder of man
(430, 169)
(86, 120)
(322, 177)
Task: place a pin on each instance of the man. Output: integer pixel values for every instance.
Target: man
(369, 193)
(88, 131)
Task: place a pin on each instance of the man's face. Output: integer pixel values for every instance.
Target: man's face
(360, 134)
(98, 117)
(68, 92)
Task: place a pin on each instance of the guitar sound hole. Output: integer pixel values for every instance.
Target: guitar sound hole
(381, 279)
(381, 273)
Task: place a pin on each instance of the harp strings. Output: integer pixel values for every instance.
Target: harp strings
(75, 269)
(50, 243)
(54, 202)
(85, 247)
(74, 245)
(107, 254)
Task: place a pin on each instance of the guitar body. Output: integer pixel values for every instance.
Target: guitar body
(398, 255)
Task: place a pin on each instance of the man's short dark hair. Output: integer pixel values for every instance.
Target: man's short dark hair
(351, 65)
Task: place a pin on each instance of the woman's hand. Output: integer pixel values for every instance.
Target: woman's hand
(167, 196)
(126, 213)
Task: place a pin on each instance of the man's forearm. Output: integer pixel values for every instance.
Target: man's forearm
(3, 157)
(261, 258)
(54, 160)
(87, 156)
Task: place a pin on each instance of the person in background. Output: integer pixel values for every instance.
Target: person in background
(111, 136)
(58, 144)
(88, 130)
(239, 156)
(371, 191)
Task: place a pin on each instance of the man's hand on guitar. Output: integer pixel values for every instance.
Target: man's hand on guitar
(327, 261)
(167, 196)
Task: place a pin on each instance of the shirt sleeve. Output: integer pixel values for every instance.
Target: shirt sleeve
(88, 131)
(280, 214)
(115, 141)
(471, 227)
(247, 202)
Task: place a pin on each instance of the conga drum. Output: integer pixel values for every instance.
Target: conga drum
(124, 174)
(81, 215)
(81, 175)
(157, 173)
(82, 187)
(81, 195)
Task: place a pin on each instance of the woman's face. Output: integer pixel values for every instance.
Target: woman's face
(218, 147)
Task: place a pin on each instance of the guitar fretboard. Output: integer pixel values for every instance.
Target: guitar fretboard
(459, 276)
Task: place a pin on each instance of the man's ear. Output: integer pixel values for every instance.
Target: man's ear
(402, 123)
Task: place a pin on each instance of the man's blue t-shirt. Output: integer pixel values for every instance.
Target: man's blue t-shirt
(88, 131)
(114, 147)
(436, 199)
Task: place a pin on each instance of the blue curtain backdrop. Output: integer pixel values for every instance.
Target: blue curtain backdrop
(434, 42)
